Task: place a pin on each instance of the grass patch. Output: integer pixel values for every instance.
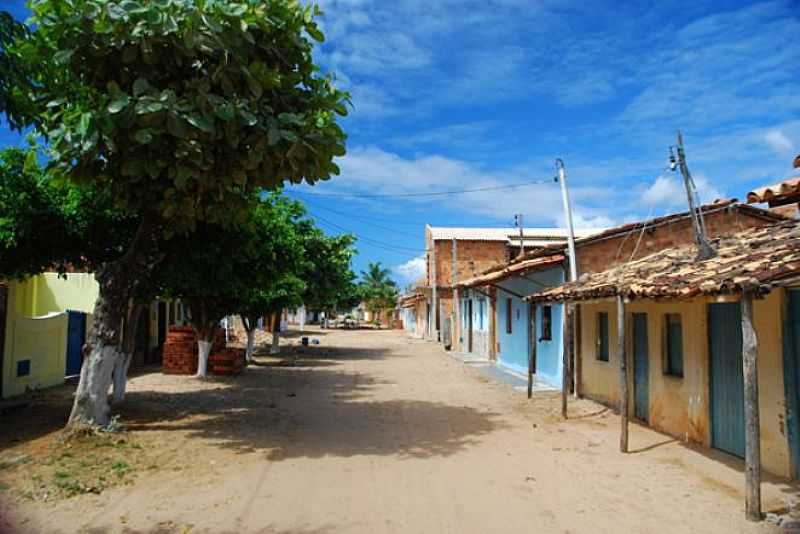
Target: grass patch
(89, 463)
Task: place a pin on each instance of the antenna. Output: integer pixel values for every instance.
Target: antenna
(705, 250)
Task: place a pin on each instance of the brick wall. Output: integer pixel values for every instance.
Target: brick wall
(472, 258)
(601, 255)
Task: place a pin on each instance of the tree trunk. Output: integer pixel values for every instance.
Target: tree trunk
(203, 351)
(120, 373)
(118, 281)
(251, 341)
(276, 339)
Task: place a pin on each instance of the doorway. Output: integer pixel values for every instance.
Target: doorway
(727, 380)
(641, 368)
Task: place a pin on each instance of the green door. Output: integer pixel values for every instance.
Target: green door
(641, 368)
(727, 381)
(791, 375)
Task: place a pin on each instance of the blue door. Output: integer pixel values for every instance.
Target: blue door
(791, 375)
(76, 337)
(641, 368)
(727, 381)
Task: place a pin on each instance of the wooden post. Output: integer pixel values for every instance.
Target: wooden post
(623, 375)
(752, 455)
(577, 351)
(455, 328)
(565, 367)
(532, 351)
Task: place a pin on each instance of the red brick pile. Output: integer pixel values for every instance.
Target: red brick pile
(229, 361)
(179, 356)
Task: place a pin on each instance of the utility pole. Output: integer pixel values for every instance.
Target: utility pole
(562, 179)
(705, 250)
(435, 312)
(518, 224)
(455, 327)
(567, 326)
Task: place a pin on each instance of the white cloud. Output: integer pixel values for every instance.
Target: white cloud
(668, 192)
(372, 170)
(779, 142)
(412, 270)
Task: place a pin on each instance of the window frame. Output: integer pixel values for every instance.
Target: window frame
(603, 329)
(547, 323)
(669, 359)
(509, 316)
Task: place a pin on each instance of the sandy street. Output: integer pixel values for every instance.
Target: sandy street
(372, 432)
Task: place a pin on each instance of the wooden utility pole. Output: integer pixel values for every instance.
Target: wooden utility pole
(456, 326)
(518, 222)
(752, 455)
(623, 375)
(435, 311)
(566, 329)
(705, 250)
(532, 351)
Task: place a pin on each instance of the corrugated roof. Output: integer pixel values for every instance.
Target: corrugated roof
(756, 259)
(548, 235)
(773, 193)
(495, 275)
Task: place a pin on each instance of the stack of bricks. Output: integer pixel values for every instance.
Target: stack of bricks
(180, 351)
(227, 362)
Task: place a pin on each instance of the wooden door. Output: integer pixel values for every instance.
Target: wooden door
(727, 380)
(641, 368)
(791, 376)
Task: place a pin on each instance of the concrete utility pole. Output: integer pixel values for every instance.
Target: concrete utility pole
(567, 328)
(518, 223)
(562, 179)
(435, 312)
(705, 250)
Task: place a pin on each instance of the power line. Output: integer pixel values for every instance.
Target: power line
(395, 248)
(366, 219)
(430, 194)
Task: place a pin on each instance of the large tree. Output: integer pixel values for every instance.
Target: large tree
(179, 111)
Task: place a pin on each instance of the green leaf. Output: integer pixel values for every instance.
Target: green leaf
(83, 124)
(132, 6)
(119, 103)
(201, 122)
(273, 135)
(62, 57)
(314, 32)
(289, 135)
(115, 11)
(249, 118)
(224, 111)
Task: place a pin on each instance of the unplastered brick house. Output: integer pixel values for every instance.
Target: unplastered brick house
(454, 254)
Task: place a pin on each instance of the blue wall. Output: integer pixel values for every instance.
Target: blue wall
(514, 347)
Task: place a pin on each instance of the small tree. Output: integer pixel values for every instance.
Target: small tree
(179, 111)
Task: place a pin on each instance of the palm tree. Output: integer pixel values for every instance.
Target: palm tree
(380, 291)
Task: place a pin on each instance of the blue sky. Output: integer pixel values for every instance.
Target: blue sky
(452, 94)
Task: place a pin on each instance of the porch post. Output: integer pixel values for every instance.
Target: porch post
(623, 375)
(565, 350)
(752, 458)
(532, 341)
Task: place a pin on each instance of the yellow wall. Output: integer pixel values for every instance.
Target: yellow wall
(43, 341)
(36, 327)
(680, 406)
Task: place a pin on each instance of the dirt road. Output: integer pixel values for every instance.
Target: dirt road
(373, 432)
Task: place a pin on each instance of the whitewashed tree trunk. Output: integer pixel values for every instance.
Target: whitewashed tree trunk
(120, 377)
(91, 397)
(276, 341)
(203, 350)
(251, 341)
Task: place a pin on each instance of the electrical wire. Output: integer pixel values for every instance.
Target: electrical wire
(429, 194)
(388, 246)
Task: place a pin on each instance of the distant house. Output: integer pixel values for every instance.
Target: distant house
(522, 334)
(457, 254)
